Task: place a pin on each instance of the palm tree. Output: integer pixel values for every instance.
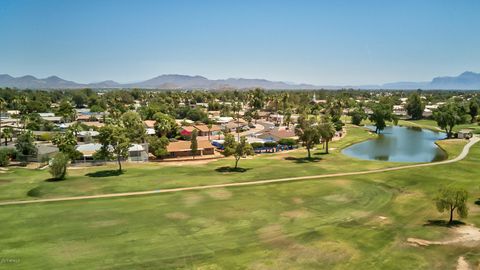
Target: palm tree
(7, 133)
(327, 131)
(163, 126)
(236, 109)
(287, 117)
(3, 104)
(209, 126)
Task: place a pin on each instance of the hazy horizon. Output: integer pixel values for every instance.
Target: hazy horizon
(313, 42)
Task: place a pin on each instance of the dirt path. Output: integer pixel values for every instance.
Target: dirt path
(462, 264)
(463, 234)
(461, 156)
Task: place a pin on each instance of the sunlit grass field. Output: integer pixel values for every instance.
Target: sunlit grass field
(355, 222)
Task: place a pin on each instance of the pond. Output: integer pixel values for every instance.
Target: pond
(400, 144)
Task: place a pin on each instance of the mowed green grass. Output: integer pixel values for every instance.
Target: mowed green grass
(431, 124)
(359, 222)
(17, 184)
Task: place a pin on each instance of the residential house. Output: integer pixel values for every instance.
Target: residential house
(182, 149)
(277, 134)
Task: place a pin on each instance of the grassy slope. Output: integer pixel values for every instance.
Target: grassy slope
(431, 124)
(31, 184)
(329, 224)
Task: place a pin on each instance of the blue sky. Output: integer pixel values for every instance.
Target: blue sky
(319, 42)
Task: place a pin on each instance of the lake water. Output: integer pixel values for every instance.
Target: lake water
(400, 144)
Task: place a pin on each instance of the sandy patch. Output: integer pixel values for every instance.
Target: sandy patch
(192, 199)
(219, 194)
(300, 213)
(462, 264)
(467, 235)
(177, 216)
(297, 200)
(341, 182)
(274, 235)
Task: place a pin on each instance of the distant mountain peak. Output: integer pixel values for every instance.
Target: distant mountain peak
(465, 81)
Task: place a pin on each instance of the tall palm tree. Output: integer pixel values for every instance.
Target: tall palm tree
(3, 105)
(209, 126)
(327, 131)
(7, 134)
(236, 109)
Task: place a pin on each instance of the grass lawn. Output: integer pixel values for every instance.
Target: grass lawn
(431, 124)
(30, 184)
(355, 222)
(359, 222)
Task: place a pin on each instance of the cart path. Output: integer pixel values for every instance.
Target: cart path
(461, 156)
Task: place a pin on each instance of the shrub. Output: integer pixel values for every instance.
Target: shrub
(5, 155)
(287, 141)
(58, 166)
(257, 145)
(270, 144)
(45, 137)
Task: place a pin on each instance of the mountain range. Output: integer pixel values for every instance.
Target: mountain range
(466, 81)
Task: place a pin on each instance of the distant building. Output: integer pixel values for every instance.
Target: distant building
(182, 149)
(465, 134)
(277, 134)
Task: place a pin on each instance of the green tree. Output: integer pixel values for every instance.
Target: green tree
(209, 126)
(448, 116)
(415, 106)
(75, 128)
(25, 144)
(194, 143)
(115, 143)
(358, 115)
(5, 155)
(3, 106)
(240, 149)
(308, 132)
(381, 113)
(7, 134)
(257, 100)
(157, 146)
(164, 124)
(327, 131)
(287, 117)
(452, 199)
(473, 107)
(66, 143)
(66, 111)
(135, 127)
(58, 166)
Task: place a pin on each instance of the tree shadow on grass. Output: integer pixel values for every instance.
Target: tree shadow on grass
(320, 154)
(54, 180)
(227, 169)
(477, 202)
(304, 159)
(443, 223)
(105, 173)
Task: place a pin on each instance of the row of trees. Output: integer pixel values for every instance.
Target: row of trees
(312, 131)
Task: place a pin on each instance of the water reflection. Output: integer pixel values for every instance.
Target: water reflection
(400, 144)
